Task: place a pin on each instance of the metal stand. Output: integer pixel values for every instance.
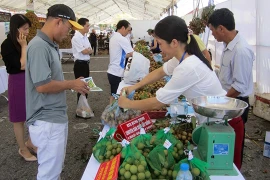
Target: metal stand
(4, 97)
(69, 57)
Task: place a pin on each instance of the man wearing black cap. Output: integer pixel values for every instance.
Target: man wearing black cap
(46, 110)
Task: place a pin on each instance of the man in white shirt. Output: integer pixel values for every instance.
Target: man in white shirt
(236, 66)
(81, 49)
(120, 49)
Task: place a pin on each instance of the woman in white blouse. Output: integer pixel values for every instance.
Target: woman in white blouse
(192, 75)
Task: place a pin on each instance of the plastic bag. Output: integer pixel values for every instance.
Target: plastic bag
(134, 165)
(142, 142)
(161, 160)
(83, 108)
(107, 147)
(157, 57)
(113, 115)
(162, 135)
(137, 69)
(197, 167)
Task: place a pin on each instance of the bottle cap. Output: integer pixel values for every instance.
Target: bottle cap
(184, 167)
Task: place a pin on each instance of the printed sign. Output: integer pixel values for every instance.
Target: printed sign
(132, 128)
(109, 170)
(167, 144)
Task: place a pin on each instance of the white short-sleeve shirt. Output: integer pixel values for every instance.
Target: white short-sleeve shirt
(192, 78)
(79, 43)
(119, 47)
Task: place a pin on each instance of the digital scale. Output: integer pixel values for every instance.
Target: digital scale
(215, 140)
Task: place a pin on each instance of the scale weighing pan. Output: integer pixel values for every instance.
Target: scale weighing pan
(218, 106)
(215, 140)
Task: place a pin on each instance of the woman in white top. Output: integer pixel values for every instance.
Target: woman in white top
(192, 75)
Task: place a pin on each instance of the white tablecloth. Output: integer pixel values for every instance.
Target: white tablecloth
(3, 79)
(93, 165)
(61, 51)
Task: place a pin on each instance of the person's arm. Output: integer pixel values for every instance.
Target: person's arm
(150, 78)
(79, 47)
(126, 46)
(207, 55)
(39, 67)
(143, 105)
(155, 44)
(129, 55)
(183, 78)
(54, 87)
(242, 72)
(232, 93)
(22, 41)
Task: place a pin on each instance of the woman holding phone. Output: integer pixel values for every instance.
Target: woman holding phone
(13, 51)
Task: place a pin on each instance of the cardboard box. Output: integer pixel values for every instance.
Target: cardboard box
(131, 129)
(266, 151)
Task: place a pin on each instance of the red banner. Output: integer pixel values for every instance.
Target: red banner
(109, 170)
(130, 129)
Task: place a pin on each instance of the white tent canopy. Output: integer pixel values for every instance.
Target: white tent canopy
(100, 11)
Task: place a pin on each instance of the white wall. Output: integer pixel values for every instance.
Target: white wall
(4, 29)
(140, 27)
(251, 18)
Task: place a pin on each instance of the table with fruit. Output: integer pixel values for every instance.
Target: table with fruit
(155, 154)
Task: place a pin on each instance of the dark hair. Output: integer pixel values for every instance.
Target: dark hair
(222, 17)
(83, 21)
(122, 23)
(173, 27)
(17, 21)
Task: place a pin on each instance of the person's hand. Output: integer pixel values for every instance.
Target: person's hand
(22, 40)
(90, 50)
(123, 102)
(80, 86)
(128, 89)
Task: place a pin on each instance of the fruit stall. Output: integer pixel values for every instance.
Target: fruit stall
(153, 144)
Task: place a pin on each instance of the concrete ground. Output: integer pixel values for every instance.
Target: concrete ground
(82, 138)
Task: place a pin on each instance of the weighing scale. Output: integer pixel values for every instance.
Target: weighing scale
(215, 140)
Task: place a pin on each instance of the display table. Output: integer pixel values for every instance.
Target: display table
(93, 165)
(3, 80)
(66, 51)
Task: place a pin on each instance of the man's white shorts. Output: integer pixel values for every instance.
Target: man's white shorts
(51, 141)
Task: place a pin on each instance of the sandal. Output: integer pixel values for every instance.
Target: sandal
(30, 159)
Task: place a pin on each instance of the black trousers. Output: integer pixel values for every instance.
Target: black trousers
(245, 114)
(244, 118)
(81, 69)
(94, 47)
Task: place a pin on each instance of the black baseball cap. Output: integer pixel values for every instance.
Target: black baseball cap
(65, 12)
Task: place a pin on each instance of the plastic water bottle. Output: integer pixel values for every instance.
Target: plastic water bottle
(184, 173)
(184, 104)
